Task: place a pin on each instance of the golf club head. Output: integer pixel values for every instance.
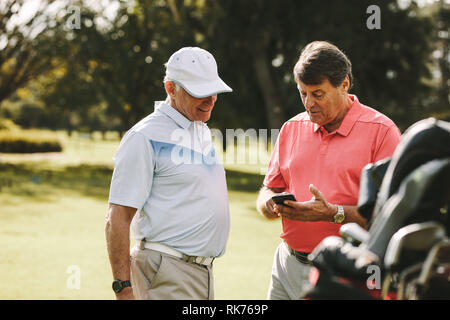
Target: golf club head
(430, 279)
(418, 236)
(439, 253)
(354, 233)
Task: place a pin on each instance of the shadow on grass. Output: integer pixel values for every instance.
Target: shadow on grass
(41, 183)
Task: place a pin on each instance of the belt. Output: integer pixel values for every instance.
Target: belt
(170, 251)
(302, 257)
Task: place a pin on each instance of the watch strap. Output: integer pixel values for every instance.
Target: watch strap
(118, 285)
(339, 217)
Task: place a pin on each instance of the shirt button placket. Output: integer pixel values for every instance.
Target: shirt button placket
(324, 144)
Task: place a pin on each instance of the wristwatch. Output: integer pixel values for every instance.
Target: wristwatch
(118, 285)
(339, 217)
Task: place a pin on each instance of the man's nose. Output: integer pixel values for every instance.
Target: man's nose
(308, 101)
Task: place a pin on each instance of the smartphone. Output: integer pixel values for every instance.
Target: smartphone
(279, 198)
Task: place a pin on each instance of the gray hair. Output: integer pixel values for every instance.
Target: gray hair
(177, 86)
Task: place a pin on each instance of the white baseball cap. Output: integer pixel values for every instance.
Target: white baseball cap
(195, 70)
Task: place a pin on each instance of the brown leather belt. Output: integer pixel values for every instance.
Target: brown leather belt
(302, 257)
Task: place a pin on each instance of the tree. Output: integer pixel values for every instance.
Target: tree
(26, 47)
(443, 35)
(107, 75)
(122, 64)
(258, 43)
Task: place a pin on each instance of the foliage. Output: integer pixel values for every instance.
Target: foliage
(387, 63)
(26, 49)
(120, 68)
(8, 124)
(28, 141)
(441, 101)
(106, 74)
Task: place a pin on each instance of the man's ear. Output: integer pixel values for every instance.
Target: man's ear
(346, 84)
(170, 88)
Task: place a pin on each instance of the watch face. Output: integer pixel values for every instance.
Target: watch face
(339, 218)
(117, 286)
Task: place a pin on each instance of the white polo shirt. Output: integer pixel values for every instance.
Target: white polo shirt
(166, 167)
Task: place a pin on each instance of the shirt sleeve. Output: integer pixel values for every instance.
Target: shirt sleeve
(133, 171)
(388, 144)
(274, 177)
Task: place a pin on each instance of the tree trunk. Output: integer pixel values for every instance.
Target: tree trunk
(273, 103)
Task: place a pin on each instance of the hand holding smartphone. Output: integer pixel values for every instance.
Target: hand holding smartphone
(280, 198)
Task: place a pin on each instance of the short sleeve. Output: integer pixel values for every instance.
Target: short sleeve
(133, 171)
(388, 144)
(274, 178)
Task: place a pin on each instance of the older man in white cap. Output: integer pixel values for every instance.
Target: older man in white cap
(169, 185)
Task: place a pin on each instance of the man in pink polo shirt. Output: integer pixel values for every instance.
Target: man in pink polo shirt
(318, 157)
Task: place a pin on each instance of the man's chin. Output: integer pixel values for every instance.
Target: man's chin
(317, 120)
(203, 119)
(204, 116)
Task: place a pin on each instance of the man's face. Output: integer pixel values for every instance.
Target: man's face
(195, 109)
(324, 103)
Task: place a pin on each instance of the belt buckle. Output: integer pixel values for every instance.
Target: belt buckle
(201, 260)
(197, 260)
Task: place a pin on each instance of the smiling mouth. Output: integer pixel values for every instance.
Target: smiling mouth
(207, 109)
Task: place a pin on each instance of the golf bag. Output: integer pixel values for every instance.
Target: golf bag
(405, 253)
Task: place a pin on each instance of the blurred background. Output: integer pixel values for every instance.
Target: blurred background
(75, 75)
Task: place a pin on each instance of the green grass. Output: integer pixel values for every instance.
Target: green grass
(52, 209)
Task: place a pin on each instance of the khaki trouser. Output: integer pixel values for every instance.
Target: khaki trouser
(160, 276)
(289, 277)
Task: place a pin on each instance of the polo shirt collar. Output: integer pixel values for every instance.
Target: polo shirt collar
(349, 120)
(176, 116)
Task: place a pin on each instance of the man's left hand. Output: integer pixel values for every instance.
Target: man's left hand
(316, 209)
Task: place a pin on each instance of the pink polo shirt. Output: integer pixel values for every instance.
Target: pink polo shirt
(306, 153)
